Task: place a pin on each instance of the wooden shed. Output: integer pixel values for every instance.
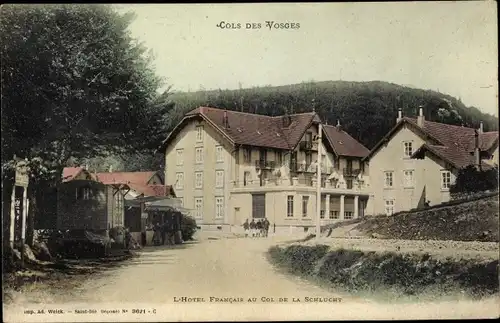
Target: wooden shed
(85, 203)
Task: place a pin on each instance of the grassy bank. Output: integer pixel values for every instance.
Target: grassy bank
(391, 274)
(468, 221)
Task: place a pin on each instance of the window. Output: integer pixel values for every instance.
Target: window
(247, 154)
(279, 158)
(349, 165)
(219, 157)
(388, 179)
(445, 179)
(348, 183)
(219, 207)
(219, 178)
(179, 180)
(308, 159)
(408, 149)
(263, 155)
(348, 215)
(323, 161)
(334, 214)
(323, 181)
(199, 133)
(389, 207)
(246, 178)
(198, 179)
(305, 202)
(83, 193)
(321, 214)
(199, 155)
(309, 137)
(289, 206)
(198, 207)
(180, 157)
(409, 178)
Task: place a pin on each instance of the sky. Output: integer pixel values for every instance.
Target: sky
(446, 46)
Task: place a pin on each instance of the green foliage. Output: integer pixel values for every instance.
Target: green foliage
(408, 274)
(472, 180)
(367, 110)
(299, 259)
(74, 84)
(188, 227)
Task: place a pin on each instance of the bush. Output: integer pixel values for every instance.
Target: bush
(471, 180)
(299, 259)
(405, 274)
(188, 227)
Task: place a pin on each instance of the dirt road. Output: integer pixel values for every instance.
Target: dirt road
(183, 283)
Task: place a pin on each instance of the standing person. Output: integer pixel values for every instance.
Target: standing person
(258, 226)
(246, 226)
(128, 238)
(156, 234)
(266, 227)
(252, 227)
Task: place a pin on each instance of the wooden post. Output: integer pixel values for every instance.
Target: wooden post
(23, 222)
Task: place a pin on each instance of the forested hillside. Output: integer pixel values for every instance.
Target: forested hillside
(367, 110)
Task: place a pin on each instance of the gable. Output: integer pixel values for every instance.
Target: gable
(248, 129)
(405, 123)
(156, 179)
(343, 144)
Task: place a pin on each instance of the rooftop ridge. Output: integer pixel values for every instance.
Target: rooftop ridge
(249, 113)
(441, 123)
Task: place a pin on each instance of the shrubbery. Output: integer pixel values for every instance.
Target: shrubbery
(471, 180)
(408, 274)
(188, 227)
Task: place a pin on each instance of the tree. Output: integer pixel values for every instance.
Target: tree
(74, 85)
(471, 180)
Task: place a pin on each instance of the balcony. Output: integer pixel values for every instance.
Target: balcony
(311, 168)
(265, 164)
(349, 172)
(307, 146)
(327, 170)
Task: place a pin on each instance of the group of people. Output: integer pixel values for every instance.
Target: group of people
(259, 228)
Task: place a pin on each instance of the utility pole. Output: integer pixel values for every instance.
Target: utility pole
(318, 185)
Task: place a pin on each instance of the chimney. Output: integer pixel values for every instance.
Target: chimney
(400, 115)
(225, 120)
(481, 129)
(420, 118)
(286, 119)
(110, 168)
(477, 151)
(338, 126)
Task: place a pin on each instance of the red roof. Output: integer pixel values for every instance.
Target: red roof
(140, 178)
(71, 172)
(457, 157)
(343, 144)
(138, 181)
(266, 131)
(153, 190)
(454, 144)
